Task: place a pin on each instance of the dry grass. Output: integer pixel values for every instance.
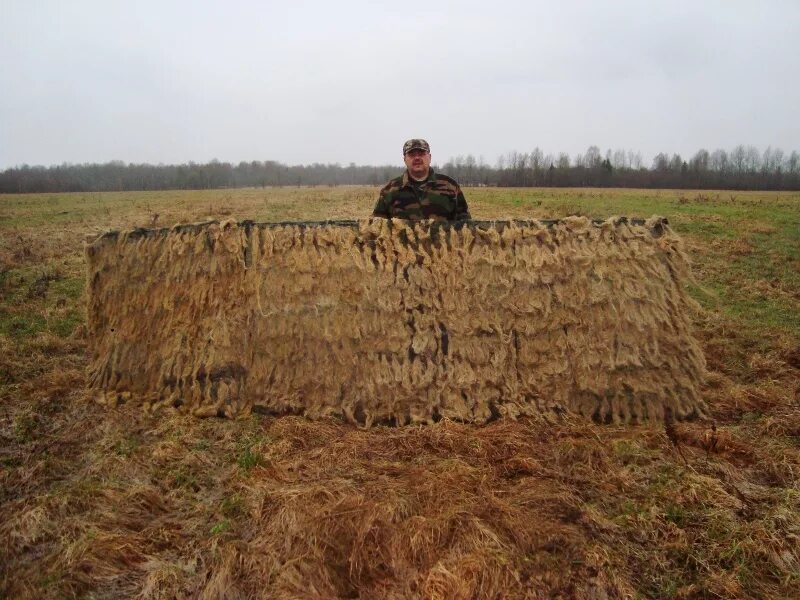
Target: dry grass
(387, 323)
(119, 505)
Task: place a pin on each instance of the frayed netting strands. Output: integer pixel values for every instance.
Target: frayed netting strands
(385, 321)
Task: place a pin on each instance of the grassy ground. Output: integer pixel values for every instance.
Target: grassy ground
(106, 504)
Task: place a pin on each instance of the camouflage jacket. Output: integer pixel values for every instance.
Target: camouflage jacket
(438, 197)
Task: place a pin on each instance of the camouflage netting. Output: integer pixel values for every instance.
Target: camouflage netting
(390, 322)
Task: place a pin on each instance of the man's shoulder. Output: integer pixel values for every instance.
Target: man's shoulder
(393, 185)
(445, 181)
(446, 178)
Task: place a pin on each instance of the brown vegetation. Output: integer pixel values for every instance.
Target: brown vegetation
(388, 322)
(118, 504)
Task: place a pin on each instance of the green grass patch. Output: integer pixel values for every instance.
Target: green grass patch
(14, 285)
(247, 459)
(628, 511)
(248, 451)
(69, 287)
(232, 506)
(202, 444)
(707, 230)
(757, 312)
(184, 477)
(126, 446)
(631, 453)
(25, 425)
(220, 527)
(21, 326)
(65, 326)
(677, 514)
(662, 479)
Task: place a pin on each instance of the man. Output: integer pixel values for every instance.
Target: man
(419, 193)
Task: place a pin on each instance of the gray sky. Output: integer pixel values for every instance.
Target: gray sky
(349, 81)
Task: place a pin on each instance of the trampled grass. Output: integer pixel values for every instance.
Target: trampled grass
(98, 503)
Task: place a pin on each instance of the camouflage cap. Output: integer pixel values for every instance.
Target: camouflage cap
(415, 144)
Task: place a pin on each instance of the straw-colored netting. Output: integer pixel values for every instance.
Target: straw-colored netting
(393, 322)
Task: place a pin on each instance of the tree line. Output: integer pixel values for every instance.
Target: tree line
(743, 168)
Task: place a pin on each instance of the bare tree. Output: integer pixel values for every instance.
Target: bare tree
(793, 162)
(635, 160)
(700, 161)
(752, 159)
(738, 159)
(619, 159)
(661, 162)
(719, 161)
(593, 157)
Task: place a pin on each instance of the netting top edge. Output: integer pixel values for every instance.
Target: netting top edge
(656, 225)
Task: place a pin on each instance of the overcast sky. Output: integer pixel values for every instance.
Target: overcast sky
(346, 81)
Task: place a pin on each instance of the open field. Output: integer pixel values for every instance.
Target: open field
(98, 503)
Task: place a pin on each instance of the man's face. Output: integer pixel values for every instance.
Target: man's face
(418, 162)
